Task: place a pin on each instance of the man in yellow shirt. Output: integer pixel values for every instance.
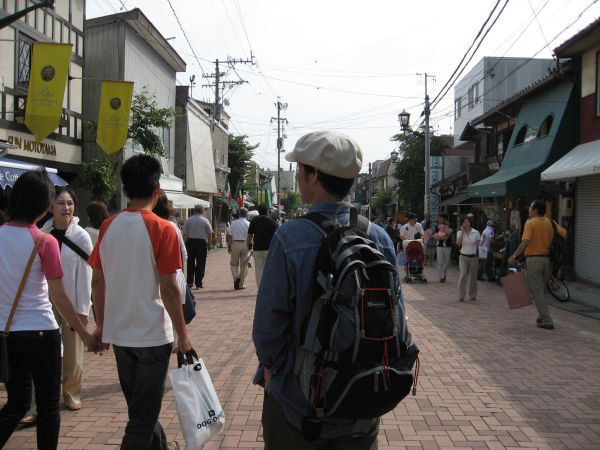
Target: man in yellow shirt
(536, 244)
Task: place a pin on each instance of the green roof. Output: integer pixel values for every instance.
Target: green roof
(526, 159)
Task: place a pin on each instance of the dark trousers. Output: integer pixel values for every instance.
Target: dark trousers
(142, 372)
(279, 434)
(197, 250)
(33, 355)
(486, 265)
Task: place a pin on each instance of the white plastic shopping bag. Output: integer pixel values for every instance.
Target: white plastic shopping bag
(200, 413)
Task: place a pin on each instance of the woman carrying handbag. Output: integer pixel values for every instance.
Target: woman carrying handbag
(30, 270)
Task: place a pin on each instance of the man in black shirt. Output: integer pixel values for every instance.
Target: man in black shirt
(261, 231)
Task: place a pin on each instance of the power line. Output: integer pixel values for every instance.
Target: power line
(538, 24)
(459, 65)
(186, 37)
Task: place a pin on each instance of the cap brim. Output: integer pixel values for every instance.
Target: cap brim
(290, 157)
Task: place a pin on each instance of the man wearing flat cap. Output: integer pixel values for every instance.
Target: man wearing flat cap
(327, 162)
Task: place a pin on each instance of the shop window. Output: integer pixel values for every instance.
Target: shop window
(545, 126)
(24, 47)
(19, 108)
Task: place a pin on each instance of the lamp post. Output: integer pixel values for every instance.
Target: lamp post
(404, 119)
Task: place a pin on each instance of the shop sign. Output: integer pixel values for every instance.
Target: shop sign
(28, 145)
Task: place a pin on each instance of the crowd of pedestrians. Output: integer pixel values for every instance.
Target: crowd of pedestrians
(130, 266)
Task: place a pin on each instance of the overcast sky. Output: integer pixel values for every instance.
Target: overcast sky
(345, 64)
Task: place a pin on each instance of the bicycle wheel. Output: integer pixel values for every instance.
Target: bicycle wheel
(558, 289)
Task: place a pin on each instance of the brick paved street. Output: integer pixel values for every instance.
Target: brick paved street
(489, 377)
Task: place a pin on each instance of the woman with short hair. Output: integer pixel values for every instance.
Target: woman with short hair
(468, 239)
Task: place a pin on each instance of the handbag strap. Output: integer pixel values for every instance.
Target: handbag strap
(76, 248)
(36, 246)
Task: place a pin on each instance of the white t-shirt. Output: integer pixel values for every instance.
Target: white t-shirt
(134, 248)
(239, 229)
(34, 311)
(469, 241)
(407, 232)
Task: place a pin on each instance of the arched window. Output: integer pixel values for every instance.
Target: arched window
(545, 126)
(521, 135)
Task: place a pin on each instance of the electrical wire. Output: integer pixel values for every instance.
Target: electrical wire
(186, 37)
(473, 43)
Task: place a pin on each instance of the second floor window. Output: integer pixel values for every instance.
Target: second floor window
(457, 108)
(23, 61)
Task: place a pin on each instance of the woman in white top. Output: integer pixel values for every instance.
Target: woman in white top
(64, 226)
(468, 239)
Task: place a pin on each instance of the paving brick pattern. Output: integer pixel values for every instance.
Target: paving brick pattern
(490, 379)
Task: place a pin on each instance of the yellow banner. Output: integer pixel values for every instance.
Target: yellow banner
(113, 117)
(47, 82)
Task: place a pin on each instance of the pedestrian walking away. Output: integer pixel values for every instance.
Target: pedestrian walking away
(30, 271)
(138, 300)
(327, 165)
(197, 235)
(443, 235)
(535, 245)
(238, 249)
(260, 232)
(468, 239)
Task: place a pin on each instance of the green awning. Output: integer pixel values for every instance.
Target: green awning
(532, 148)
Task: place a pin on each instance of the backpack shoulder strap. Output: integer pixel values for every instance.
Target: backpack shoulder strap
(76, 248)
(321, 220)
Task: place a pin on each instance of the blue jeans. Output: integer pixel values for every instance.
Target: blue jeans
(33, 355)
(142, 372)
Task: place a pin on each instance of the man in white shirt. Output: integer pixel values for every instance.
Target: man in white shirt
(411, 230)
(237, 248)
(138, 301)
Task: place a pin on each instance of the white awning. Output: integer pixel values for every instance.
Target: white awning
(183, 201)
(583, 160)
(200, 173)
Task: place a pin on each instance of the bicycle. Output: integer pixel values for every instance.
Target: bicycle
(557, 288)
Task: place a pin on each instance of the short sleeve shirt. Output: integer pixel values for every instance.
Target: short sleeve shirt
(262, 228)
(197, 227)
(539, 232)
(239, 229)
(134, 248)
(34, 311)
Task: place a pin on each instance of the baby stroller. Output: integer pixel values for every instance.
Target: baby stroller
(414, 261)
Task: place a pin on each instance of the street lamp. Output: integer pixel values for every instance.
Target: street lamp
(394, 156)
(404, 118)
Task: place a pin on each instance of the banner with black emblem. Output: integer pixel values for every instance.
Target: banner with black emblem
(47, 82)
(113, 117)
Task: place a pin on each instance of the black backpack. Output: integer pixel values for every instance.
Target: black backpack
(558, 249)
(356, 357)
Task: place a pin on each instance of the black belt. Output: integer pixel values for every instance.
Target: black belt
(196, 239)
(468, 256)
(239, 240)
(537, 256)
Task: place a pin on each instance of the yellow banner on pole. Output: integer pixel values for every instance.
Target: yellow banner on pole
(113, 117)
(47, 81)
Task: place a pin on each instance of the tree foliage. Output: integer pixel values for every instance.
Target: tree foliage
(410, 168)
(291, 203)
(382, 198)
(146, 119)
(240, 159)
(97, 176)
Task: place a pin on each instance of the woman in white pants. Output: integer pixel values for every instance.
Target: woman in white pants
(468, 239)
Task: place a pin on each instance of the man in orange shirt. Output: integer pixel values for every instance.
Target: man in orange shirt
(536, 244)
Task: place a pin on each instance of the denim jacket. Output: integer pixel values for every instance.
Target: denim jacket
(284, 301)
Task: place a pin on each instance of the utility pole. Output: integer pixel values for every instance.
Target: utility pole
(220, 85)
(280, 107)
(427, 113)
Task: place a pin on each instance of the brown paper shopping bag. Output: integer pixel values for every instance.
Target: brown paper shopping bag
(517, 290)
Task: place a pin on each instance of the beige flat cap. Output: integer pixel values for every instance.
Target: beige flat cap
(330, 152)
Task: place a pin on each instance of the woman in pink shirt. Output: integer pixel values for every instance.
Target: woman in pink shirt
(34, 343)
